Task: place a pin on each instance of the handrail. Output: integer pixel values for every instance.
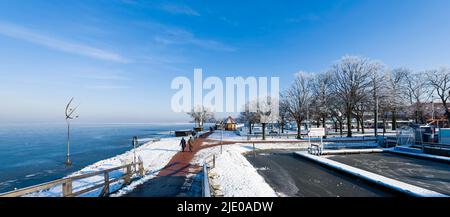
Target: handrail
(206, 192)
(67, 182)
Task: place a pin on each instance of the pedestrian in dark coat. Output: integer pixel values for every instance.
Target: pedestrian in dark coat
(183, 144)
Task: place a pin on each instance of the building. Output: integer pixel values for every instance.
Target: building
(230, 124)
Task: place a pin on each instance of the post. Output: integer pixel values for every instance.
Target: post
(141, 168)
(68, 161)
(127, 178)
(221, 141)
(376, 117)
(67, 188)
(106, 186)
(214, 161)
(254, 151)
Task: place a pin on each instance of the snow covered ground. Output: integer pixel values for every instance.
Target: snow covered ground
(155, 155)
(234, 174)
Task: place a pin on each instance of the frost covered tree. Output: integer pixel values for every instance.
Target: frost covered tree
(268, 111)
(321, 91)
(297, 98)
(417, 92)
(249, 116)
(439, 81)
(351, 82)
(395, 82)
(200, 115)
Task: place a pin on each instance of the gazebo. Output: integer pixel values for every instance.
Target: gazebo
(230, 124)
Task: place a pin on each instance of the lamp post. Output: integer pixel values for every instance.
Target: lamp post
(69, 112)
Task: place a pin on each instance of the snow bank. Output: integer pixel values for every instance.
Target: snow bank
(235, 175)
(375, 178)
(155, 155)
(418, 153)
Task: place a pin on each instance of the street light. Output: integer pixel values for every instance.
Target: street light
(69, 116)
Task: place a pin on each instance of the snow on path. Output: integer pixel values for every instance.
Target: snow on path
(155, 155)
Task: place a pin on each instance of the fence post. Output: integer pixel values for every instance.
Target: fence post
(67, 188)
(141, 168)
(127, 178)
(106, 186)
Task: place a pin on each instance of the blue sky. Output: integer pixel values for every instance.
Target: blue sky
(118, 57)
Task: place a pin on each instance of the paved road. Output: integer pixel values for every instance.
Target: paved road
(293, 176)
(423, 173)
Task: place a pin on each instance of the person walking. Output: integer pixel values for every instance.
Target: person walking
(190, 143)
(183, 144)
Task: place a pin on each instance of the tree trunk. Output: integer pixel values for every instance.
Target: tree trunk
(447, 113)
(349, 124)
(358, 126)
(250, 126)
(335, 127)
(384, 126)
(394, 119)
(362, 125)
(263, 131)
(341, 127)
(323, 122)
(282, 127)
(299, 126)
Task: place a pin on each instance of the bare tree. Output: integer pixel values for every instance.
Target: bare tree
(284, 116)
(439, 81)
(200, 115)
(395, 87)
(321, 90)
(297, 98)
(416, 91)
(249, 117)
(268, 110)
(337, 111)
(352, 79)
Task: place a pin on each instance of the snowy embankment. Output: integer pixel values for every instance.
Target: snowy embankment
(374, 178)
(417, 153)
(235, 174)
(155, 155)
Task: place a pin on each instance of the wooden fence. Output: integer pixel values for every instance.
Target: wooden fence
(66, 183)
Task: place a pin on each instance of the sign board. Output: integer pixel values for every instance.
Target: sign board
(444, 136)
(316, 132)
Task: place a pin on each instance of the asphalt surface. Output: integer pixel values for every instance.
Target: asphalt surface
(296, 177)
(428, 174)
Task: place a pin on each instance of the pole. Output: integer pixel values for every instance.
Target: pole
(221, 141)
(68, 161)
(432, 107)
(376, 117)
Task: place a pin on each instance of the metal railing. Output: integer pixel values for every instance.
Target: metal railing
(66, 183)
(206, 191)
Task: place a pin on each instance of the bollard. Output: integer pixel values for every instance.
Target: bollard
(105, 191)
(67, 188)
(127, 177)
(141, 169)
